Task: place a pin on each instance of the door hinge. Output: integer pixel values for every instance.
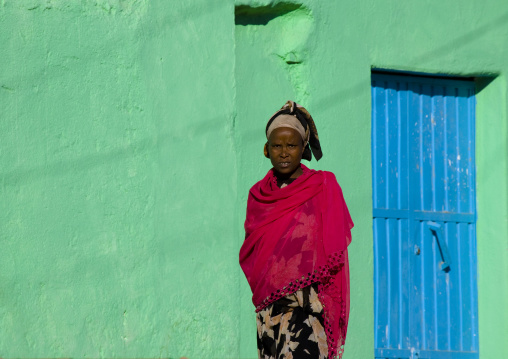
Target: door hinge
(415, 354)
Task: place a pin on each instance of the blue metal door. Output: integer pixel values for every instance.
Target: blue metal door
(424, 217)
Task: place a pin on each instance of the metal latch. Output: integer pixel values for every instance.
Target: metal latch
(437, 231)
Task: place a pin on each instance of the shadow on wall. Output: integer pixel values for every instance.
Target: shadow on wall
(290, 28)
(248, 15)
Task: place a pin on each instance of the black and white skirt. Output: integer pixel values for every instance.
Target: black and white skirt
(293, 327)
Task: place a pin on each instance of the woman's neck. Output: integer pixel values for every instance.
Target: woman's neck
(286, 176)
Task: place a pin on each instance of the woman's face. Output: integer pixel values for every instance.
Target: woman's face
(285, 150)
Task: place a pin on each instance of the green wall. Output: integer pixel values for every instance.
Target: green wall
(117, 179)
(131, 132)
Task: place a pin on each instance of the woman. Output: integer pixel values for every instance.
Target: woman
(295, 250)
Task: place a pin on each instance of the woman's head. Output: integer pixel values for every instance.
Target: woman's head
(297, 118)
(285, 148)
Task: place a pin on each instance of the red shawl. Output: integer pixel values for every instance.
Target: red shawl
(296, 236)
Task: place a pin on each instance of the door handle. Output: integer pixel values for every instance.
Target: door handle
(437, 231)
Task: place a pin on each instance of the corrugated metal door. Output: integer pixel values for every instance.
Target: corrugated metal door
(424, 217)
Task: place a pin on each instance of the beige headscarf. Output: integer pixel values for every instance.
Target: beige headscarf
(290, 122)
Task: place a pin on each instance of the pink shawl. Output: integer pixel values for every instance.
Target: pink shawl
(298, 235)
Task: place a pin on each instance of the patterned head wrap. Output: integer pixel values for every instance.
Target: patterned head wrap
(305, 126)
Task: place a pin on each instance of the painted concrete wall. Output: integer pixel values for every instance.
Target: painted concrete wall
(118, 180)
(131, 131)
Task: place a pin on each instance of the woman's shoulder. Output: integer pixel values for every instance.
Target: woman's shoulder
(263, 180)
(327, 175)
(330, 180)
(256, 185)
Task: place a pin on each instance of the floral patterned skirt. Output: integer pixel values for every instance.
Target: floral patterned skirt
(293, 327)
